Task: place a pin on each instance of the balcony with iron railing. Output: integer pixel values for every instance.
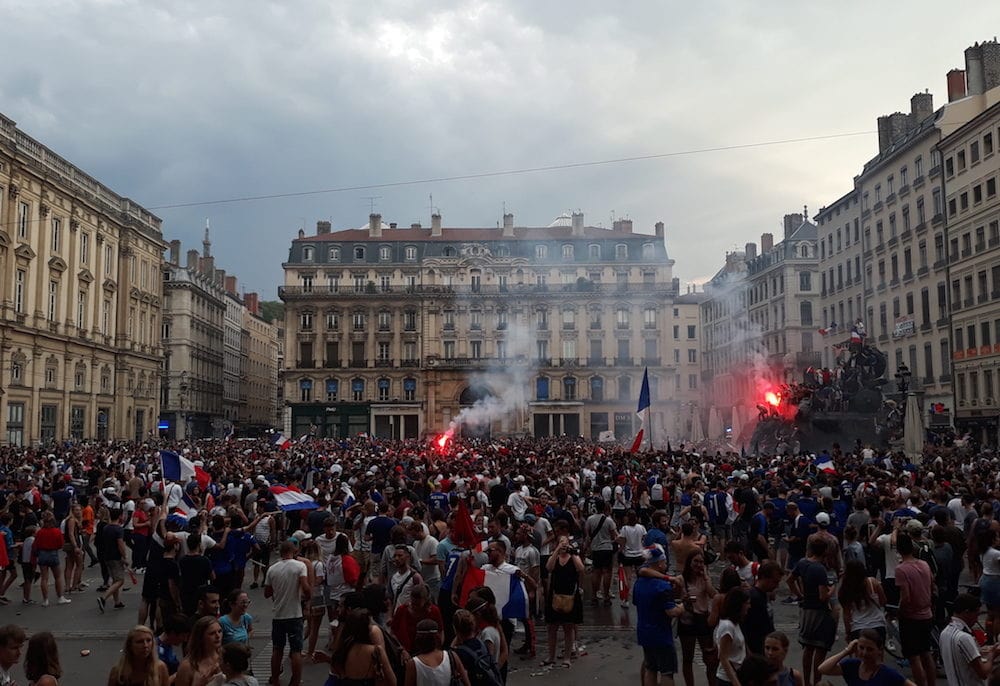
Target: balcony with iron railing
(318, 291)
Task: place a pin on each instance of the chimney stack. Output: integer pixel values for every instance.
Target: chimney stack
(436, 224)
(956, 85)
(415, 225)
(322, 228)
(220, 277)
(750, 251)
(623, 225)
(766, 243)
(974, 74)
(175, 252)
(991, 64)
(374, 225)
(392, 225)
(892, 127)
(577, 224)
(921, 107)
(208, 267)
(675, 284)
(230, 282)
(302, 233)
(193, 260)
(252, 303)
(660, 229)
(508, 225)
(792, 222)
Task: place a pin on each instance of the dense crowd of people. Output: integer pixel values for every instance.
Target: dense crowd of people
(421, 564)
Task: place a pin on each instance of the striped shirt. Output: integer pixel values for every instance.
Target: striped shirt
(958, 650)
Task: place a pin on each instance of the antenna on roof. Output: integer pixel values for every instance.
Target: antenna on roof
(371, 202)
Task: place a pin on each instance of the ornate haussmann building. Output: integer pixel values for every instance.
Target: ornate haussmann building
(395, 331)
(79, 302)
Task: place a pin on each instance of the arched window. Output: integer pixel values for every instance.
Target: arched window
(542, 388)
(596, 388)
(409, 389)
(648, 251)
(411, 253)
(541, 252)
(332, 390)
(334, 255)
(305, 390)
(595, 251)
(621, 252)
(569, 388)
(357, 390)
(359, 252)
(567, 251)
(385, 253)
(624, 388)
(383, 386)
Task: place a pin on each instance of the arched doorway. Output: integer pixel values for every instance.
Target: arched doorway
(474, 425)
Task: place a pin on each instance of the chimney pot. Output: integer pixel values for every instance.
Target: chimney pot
(175, 252)
(436, 224)
(208, 267)
(974, 73)
(660, 229)
(392, 225)
(375, 225)
(192, 260)
(792, 222)
(231, 285)
(322, 228)
(577, 224)
(302, 233)
(921, 107)
(766, 243)
(508, 224)
(750, 251)
(956, 85)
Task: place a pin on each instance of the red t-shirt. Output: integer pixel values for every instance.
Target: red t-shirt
(916, 576)
(49, 538)
(404, 623)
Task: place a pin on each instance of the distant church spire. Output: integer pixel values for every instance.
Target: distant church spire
(206, 244)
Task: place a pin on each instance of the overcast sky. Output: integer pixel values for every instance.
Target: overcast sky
(187, 101)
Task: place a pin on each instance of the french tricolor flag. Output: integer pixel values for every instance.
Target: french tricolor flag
(280, 442)
(825, 464)
(181, 469)
(292, 499)
(510, 592)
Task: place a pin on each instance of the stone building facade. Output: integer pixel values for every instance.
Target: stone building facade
(397, 331)
(79, 302)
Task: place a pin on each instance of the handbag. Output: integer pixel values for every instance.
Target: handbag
(563, 602)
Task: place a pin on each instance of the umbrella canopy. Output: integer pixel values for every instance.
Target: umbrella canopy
(913, 430)
(714, 424)
(737, 423)
(697, 432)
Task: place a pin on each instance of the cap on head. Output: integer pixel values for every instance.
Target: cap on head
(823, 519)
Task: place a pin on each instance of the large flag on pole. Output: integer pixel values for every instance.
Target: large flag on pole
(643, 412)
(180, 469)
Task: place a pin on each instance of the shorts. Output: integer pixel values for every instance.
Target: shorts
(660, 659)
(603, 559)
(989, 591)
(48, 558)
(116, 570)
(915, 636)
(697, 628)
(817, 628)
(628, 561)
(287, 630)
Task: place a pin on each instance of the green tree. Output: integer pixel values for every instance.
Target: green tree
(272, 310)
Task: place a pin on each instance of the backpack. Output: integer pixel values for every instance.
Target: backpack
(479, 664)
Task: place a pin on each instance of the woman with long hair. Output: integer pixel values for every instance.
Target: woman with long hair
(316, 605)
(861, 662)
(693, 627)
(355, 659)
(630, 555)
(139, 665)
(41, 660)
(237, 623)
(202, 660)
(73, 547)
(48, 542)
(430, 664)
(728, 580)
(729, 638)
(563, 602)
(862, 599)
(776, 652)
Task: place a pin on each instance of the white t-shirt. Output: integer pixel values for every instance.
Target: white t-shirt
(400, 586)
(518, 505)
(526, 557)
(738, 651)
(425, 550)
(633, 535)
(991, 562)
(173, 495)
(283, 577)
(207, 542)
(891, 556)
(543, 528)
